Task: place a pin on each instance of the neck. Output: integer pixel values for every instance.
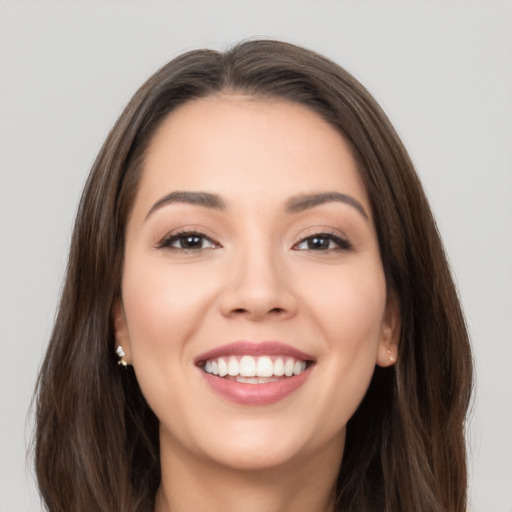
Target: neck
(307, 485)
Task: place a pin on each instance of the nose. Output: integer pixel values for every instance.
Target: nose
(259, 287)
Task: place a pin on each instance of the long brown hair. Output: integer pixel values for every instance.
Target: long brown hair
(96, 442)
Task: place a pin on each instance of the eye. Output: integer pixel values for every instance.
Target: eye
(188, 241)
(323, 242)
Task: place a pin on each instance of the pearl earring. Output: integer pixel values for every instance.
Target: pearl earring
(121, 353)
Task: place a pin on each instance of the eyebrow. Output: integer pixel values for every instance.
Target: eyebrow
(295, 204)
(306, 201)
(212, 201)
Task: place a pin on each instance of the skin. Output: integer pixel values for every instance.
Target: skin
(253, 278)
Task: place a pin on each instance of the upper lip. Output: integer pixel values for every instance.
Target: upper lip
(263, 348)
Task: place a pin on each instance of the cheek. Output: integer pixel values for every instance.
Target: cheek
(349, 318)
(162, 305)
(349, 307)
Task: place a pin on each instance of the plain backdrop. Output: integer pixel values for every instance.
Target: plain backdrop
(442, 70)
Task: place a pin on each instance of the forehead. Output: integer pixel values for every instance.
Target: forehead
(242, 146)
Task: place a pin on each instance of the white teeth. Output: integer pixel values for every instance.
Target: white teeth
(248, 380)
(264, 367)
(233, 366)
(223, 367)
(288, 367)
(248, 367)
(299, 367)
(255, 380)
(279, 367)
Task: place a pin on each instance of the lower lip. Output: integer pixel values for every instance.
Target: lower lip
(256, 394)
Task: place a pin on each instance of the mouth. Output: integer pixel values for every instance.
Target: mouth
(255, 373)
(248, 369)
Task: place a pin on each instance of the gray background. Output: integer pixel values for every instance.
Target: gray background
(442, 70)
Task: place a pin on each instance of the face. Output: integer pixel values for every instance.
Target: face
(254, 303)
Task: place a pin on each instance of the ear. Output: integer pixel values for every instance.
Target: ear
(390, 333)
(122, 337)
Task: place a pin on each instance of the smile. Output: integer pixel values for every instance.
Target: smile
(255, 370)
(255, 373)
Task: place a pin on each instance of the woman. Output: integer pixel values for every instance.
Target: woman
(258, 313)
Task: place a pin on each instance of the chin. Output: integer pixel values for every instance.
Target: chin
(257, 458)
(264, 445)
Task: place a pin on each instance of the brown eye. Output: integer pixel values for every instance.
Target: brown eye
(322, 242)
(318, 243)
(189, 241)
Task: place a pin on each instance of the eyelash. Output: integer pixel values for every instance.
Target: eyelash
(341, 244)
(167, 242)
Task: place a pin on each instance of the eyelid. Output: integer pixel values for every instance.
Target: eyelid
(167, 240)
(342, 241)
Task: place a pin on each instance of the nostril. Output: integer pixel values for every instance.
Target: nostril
(271, 311)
